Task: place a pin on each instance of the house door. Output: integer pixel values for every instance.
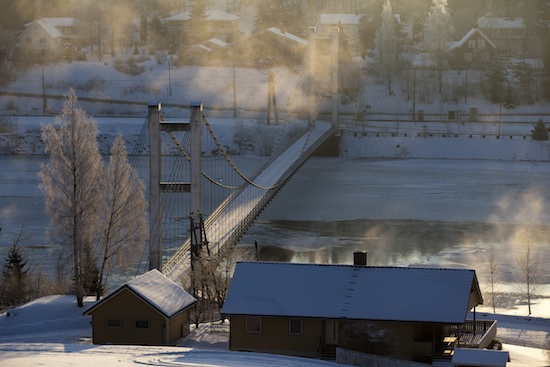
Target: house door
(331, 332)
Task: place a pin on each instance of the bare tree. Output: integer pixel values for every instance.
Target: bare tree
(530, 268)
(124, 226)
(72, 184)
(493, 276)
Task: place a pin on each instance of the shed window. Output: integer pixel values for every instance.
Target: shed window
(253, 324)
(113, 323)
(295, 327)
(141, 324)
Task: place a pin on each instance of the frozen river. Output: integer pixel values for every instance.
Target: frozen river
(403, 212)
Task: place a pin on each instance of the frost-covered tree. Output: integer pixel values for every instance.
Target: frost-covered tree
(72, 186)
(386, 42)
(124, 226)
(493, 276)
(438, 29)
(530, 273)
(196, 22)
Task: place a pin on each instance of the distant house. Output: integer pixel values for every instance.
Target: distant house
(49, 35)
(348, 24)
(508, 35)
(268, 47)
(474, 48)
(148, 310)
(308, 310)
(217, 24)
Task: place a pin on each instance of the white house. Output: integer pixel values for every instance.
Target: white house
(49, 34)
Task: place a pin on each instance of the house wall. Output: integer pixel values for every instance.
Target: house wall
(179, 326)
(36, 38)
(128, 308)
(474, 51)
(275, 337)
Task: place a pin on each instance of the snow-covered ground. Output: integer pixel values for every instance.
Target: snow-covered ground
(51, 331)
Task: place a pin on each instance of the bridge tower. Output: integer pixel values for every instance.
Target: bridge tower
(157, 186)
(323, 73)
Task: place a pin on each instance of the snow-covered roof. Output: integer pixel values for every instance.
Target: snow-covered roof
(469, 35)
(210, 15)
(335, 19)
(480, 357)
(496, 22)
(289, 36)
(354, 292)
(50, 25)
(218, 42)
(157, 290)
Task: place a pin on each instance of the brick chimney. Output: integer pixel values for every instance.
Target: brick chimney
(360, 258)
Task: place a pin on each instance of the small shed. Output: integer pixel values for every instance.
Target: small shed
(466, 357)
(148, 310)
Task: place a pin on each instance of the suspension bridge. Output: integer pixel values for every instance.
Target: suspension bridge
(203, 198)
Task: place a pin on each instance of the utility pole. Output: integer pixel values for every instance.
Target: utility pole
(44, 101)
(335, 86)
(234, 92)
(271, 99)
(414, 94)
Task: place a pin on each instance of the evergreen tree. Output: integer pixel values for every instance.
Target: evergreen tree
(368, 26)
(15, 279)
(540, 132)
(288, 16)
(196, 31)
(387, 44)
(438, 29)
(546, 72)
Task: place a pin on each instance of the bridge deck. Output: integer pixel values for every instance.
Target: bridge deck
(231, 219)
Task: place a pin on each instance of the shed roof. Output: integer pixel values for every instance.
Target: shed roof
(354, 292)
(480, 357)
(157, 290)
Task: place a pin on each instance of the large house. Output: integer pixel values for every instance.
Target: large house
(508, 35)
(309, 310)
(49, 35)
(475, 48)
(148, 310)
(270, 46)
(217, 23)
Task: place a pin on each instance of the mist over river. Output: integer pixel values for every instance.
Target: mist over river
(403, 212)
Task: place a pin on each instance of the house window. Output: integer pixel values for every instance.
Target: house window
(253, 324)
(141, 324)
(28, 39)
(471, 44)
(42, 40)
(114, 323)
(295, 327)
(481, 44)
